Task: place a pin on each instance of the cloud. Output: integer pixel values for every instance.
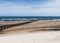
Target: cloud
(50, 8)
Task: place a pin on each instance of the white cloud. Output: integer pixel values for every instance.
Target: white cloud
(51, 8)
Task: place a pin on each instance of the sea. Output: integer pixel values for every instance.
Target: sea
(27, 18)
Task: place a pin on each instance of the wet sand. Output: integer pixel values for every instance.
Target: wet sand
(8, 23)
(33, 27)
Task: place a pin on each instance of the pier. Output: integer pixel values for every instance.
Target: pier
(6, 26)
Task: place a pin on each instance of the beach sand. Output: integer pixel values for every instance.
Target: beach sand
(33, 27)
(35, 32)
(8, 23)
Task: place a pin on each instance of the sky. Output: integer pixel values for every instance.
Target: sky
(29, 7)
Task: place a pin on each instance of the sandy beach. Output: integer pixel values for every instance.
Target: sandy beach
(34, 32)
(34, 27)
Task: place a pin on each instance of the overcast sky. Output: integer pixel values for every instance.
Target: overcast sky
(29, 7)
